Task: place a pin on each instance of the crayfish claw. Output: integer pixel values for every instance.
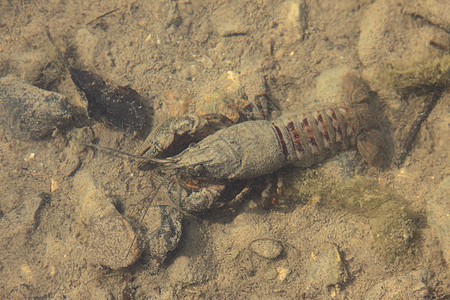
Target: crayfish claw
(170, 138)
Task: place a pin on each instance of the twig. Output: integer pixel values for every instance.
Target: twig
(430, 102)
(101, 16)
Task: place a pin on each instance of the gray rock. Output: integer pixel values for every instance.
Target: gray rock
(107, 236)
(70, 157)
(409, 286)
(28, 112)
(39, 67)
(266, 248)
(391, 36)
(70, 165)
(162, 225)
(17, 223)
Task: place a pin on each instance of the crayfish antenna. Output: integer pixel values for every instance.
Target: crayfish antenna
(152, 162)
(150, 198)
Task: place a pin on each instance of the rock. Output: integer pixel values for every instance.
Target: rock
(28, 112)
(329, 88)
(121, 107)
(229, 20)
(409, 286)
(328, 268)
(162, 232)
(266, 248)
(294, 19)
(39, 67)
(271, 274)
(434, 11)
(71, 156)
(17, 223)
(80, 138)
(438, 210)
(107, 234)
(69, 165)
(185, 271)
(393, 227)
(391, 37)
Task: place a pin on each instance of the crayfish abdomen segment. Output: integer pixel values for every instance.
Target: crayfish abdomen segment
(309, 138)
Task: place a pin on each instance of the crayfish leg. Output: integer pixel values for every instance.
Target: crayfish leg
(201, 200)
(240, 196)
(272, 191)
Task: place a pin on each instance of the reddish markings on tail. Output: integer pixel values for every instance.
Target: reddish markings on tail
(317, 126)
(291, 127)
(339, 130)
(309, 132)
(340, 134)
(348, 120)
(324, 127)
(333, 114)
(283, 143)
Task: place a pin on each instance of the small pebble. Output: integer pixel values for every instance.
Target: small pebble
(30, 157)
(283, 273)
(26, 272)
(54, 185)
(294, 19)
(266, 248)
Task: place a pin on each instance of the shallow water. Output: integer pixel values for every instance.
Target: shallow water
(174, 53)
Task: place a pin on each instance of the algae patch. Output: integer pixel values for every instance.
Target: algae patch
(302, 186)
(393, 226)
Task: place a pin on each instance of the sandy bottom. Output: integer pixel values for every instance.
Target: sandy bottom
(172, 53)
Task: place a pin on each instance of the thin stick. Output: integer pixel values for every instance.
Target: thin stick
(430, 102)
(101, 16)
